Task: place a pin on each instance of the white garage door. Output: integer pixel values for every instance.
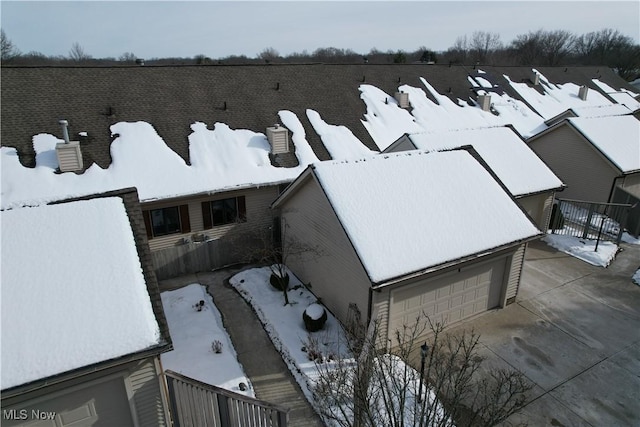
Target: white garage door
(450, 298)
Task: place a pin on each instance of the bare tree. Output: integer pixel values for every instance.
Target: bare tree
(482, 44)
(8, 49)
(269, 54)
(543, 47)
(127, 57)
(77, 53)
(274, 250)
(373, 388)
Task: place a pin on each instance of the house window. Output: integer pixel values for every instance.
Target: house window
(223, 211)
(165, 221)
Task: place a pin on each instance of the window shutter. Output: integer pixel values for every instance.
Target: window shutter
(185, 225)
(206, 215)
(147, 223)
(242, 209)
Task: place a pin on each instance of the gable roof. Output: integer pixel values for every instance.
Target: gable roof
(338, 111)
(411, 211)
(508, 156)
(88, 302)
(618, 138)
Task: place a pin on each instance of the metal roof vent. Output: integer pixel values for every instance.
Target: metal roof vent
(402, 98)
(485, 102)
(68, 152)
(535, 78)
(582, 92)
(278, 138)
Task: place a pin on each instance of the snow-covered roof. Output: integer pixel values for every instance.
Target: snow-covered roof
(221, 159)
(513, 162)
(69, 301)
(557, 98)
(411, 211)
(617, 137)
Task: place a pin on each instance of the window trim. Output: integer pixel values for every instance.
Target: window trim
(207, 212)
(183, 219)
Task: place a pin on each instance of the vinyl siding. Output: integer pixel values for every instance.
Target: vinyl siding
(537, 206)
(335, 273)
(515, 273)
(147, 394)
(584, 170)
(631, 184)
(259, 216)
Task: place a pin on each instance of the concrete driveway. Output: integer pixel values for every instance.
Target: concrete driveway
(575, 333)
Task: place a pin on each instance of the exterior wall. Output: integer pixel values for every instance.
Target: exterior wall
(259, 217)
(631, 184)
(123, 396)
(335, 273)
(538, 206)
(509, 272)
(584, 170)
(515, 275)
(401, 144)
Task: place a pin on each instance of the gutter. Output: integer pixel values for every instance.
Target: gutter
(447, 264)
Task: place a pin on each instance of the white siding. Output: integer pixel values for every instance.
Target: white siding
(144, 384)
(515, 273)
(333, 268)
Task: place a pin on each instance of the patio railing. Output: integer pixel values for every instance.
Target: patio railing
(589, 220)
(197, 404)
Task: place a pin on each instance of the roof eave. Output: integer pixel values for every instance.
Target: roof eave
(447, 264)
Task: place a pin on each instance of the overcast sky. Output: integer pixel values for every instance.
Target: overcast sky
(152, 29)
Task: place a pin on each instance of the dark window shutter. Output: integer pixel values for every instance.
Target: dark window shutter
(147, 223)
(206, 215)
(242, 209)
(185, 225)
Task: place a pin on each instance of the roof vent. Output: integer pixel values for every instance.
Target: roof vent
(535, 78)
(402, 98)
(68, 152)
(582, 92)
(278, 138)
(485, 102)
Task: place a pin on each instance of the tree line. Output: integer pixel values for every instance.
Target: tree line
(608, 47)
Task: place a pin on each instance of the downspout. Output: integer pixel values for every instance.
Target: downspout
(613, 187)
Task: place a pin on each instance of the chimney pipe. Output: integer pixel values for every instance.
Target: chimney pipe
(65, 132)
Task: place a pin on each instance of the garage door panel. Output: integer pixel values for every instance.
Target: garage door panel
(451, 298)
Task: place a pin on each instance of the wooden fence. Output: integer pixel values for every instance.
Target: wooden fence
(196, 404)
(192, 258)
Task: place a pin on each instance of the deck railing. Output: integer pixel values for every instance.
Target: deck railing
(590, 220)
(197, 404)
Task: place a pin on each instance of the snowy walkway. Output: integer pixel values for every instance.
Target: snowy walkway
(271, 380)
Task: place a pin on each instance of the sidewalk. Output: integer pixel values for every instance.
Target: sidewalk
(271, 379)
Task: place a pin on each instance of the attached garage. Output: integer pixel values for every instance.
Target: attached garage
(449, 298)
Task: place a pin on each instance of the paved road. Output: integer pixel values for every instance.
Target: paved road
(575, 333)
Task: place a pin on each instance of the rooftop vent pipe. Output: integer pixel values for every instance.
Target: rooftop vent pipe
(582, 92)
(65, 131)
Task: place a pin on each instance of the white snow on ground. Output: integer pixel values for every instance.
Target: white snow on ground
(583, 249)
(70, 301)
(193, 333)
(508, 156)
(284, 323)
(617, 137)
(339, 140)
(285, 327)
(222, 159)
(445, 203)
(557, 98)
(384, 119)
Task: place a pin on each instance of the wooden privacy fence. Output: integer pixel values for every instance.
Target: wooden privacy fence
(196, 404)
(192, 257)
